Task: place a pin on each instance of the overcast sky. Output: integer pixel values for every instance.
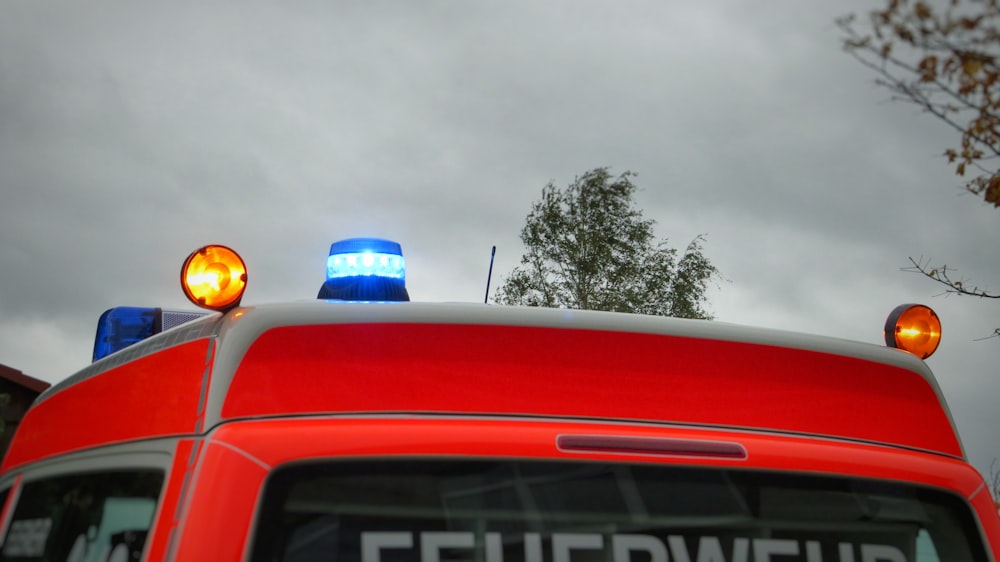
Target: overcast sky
(133, 132)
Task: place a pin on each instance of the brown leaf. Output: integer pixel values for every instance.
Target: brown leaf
(992, 193)
(970, 23)
(928, 68)
(971, 65)
(904, 34)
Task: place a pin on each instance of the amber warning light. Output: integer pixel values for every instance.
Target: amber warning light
(914, 328)
(214, 277)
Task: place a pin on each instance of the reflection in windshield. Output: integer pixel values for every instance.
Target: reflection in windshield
(101, 516)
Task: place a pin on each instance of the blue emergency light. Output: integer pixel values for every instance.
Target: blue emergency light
(123, 326)
(364, 257)
(365, 269)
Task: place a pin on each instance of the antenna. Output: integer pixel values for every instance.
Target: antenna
(489, 275)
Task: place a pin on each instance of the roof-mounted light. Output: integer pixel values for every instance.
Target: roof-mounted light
(214, 277)
(365, 269)
(914, 328)
(123, 326)
(364, 257)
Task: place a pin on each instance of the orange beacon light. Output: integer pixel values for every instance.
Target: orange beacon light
(214, 277)
(914, 328)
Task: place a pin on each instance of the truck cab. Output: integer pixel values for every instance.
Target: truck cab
(373, 429)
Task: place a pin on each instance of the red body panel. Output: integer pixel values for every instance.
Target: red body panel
(169, 508)
(274, 442)
(153, 396)
(220, 502)
(581, 373)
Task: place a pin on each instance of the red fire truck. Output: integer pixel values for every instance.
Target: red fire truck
(360, 427)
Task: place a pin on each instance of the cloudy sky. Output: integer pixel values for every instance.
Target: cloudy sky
(133, 132)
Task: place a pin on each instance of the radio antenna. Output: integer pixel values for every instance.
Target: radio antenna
(489, 275)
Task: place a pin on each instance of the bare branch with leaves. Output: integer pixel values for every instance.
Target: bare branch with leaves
(945, 60)
(944, 275)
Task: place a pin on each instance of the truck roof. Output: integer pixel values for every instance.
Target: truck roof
(322, 357)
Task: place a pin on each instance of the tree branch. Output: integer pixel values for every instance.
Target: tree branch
(941, 275)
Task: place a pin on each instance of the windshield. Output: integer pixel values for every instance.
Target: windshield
(523, 511)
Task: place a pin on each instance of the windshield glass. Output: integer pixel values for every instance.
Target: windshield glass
(522, 511)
